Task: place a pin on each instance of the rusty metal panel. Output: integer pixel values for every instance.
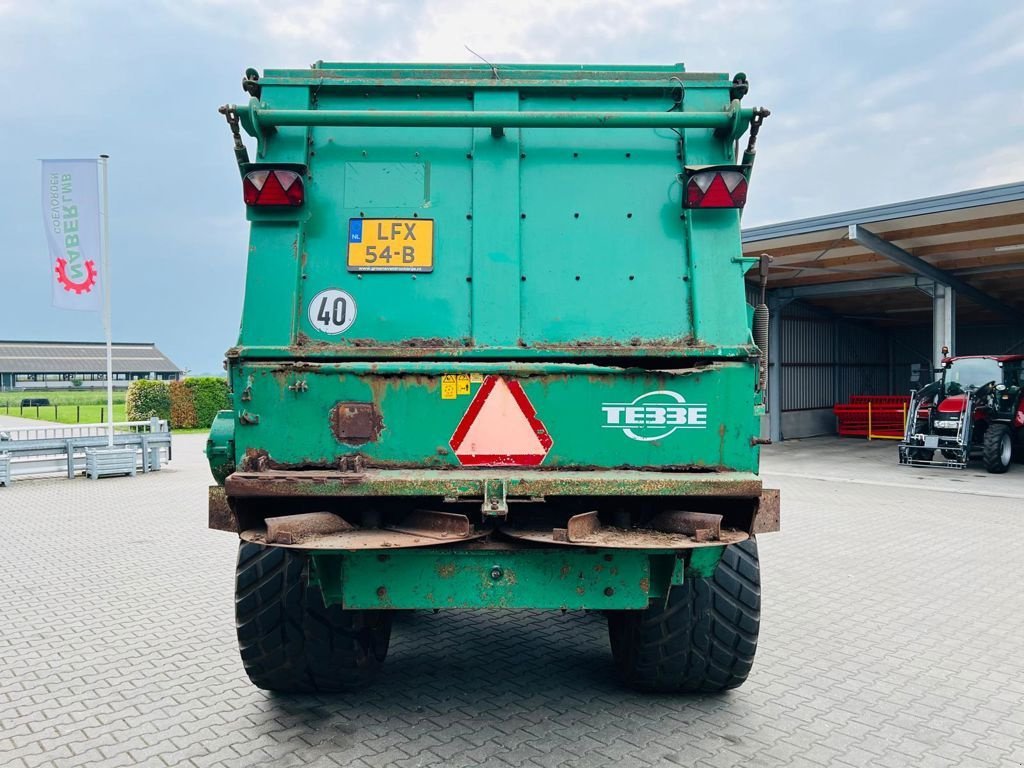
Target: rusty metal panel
(520, 484)
(222, 515)
(618, 538)
(295, 529)
(356, 423)
(766, 517)
(703, 526)
(434, 525)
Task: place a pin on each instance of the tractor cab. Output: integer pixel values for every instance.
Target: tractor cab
(976, 405)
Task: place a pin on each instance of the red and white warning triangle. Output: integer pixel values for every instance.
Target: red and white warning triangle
(500, 428)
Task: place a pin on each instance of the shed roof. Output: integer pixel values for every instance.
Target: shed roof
(81, 357)
(976, 235)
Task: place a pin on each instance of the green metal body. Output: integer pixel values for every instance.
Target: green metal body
(562, 260)
(565, 579)
(570, 400)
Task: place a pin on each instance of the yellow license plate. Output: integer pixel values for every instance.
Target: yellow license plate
(390, 245)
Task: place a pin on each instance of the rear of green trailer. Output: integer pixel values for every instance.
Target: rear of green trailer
(495, 352)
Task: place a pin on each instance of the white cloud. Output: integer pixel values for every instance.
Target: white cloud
(899, 84)
(896, 18)
(1001, 57)
(501, 31)
(1004, 165)
(996, 44)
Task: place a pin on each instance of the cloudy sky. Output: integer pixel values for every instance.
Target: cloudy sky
(872, 102)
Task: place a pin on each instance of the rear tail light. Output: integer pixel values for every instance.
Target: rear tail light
(278, 187)
(718, 187)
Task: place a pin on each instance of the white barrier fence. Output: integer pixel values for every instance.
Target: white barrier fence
(48, 449)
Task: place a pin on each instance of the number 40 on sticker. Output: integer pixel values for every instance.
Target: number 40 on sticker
(332, 311)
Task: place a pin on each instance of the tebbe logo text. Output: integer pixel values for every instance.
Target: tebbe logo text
(655, 415)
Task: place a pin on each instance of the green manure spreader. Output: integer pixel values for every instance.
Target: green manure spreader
(495, 352)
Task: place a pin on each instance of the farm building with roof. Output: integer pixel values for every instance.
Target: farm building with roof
(65, 364)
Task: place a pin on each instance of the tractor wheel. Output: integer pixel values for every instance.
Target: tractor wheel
(290, 642)
(702, 639)
(997, 448)
(922, 454)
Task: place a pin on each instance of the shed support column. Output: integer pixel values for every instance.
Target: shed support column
(943, 323)
(949, 320)
(775, 369)
(891, 359)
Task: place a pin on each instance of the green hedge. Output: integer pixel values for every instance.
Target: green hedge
(146, 399)
(187, 404)
(209, 395)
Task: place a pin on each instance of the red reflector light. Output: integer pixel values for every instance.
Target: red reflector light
(716, 188)
(273, 187)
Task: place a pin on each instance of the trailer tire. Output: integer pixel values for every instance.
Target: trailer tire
(289, 640)
(702, 638)
(997, 448)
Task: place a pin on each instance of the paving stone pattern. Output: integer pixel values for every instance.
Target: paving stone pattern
(893, 635)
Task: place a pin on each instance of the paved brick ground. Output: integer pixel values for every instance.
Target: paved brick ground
(892, 636)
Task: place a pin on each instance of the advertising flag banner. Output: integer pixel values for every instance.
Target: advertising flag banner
(71, 214)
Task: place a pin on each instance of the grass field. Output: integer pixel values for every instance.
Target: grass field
(62, 396)
(67, 406)
(70, 406)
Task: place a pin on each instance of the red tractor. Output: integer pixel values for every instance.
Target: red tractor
(976, 405)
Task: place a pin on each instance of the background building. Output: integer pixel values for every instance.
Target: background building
(864, 301)
(60, 364)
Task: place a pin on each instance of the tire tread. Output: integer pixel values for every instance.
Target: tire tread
(992, 448)
(703, 638)
(289, 641)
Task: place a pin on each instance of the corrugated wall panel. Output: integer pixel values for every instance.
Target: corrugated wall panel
(824, 361)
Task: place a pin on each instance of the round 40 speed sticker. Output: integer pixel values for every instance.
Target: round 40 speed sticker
(332, 311)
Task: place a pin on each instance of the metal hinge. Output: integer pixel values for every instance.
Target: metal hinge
(351, 464)
(495, 498)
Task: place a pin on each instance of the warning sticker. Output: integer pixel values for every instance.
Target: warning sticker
(462, 384)
(476, 378)
(449, 387)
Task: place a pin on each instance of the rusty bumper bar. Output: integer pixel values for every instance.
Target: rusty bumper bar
(457, 484)
(494, 485)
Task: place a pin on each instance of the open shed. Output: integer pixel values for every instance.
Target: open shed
(863, 301)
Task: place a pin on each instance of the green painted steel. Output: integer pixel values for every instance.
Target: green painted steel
(473, 578)
(265, 118)
(220, 447)
(702, 562)
(586, 410)
(551, 241)
(563, 265)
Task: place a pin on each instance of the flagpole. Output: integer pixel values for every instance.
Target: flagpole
(106, 299)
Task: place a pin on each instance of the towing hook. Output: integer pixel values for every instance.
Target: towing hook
(241, 153)
(760, 113)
